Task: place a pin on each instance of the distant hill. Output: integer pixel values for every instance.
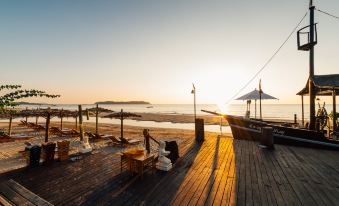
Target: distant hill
(30, 103)
(127, 102)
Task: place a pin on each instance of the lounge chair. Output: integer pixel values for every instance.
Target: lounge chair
(115, 141)
(39, 128)
(22, 123)
(124, 141)
(5, 138)
(130, 141)
(64, 132)
(97, 136)
(31, 125)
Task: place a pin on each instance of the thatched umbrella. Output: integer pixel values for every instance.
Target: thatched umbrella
(48, 114)
(8, 115)
(121, 115)
(256, 95)
(98, 110)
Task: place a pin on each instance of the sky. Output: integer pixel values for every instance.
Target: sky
(90, 51)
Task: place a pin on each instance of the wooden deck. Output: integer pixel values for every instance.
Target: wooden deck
(221, 171)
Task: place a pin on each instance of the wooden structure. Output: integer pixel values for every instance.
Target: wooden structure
(220, 171)
(138, 163)
(122, 115)
(98, 110)
(323, 85)
(12, 193)
(311, 41)
(255, 95)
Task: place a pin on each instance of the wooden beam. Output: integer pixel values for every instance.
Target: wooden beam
(302, 111)
(80, 123)
(122, 126)
(48, 119)
(334, 110)
(61, 113)
(96, 120)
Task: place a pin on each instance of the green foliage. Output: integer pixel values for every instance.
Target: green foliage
(331, 115)
(16, 93)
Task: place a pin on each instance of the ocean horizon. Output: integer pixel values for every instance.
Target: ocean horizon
(269, 111)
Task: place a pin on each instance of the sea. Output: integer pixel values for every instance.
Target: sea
(269, 111)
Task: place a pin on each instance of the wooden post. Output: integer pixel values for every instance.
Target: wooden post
(61, 116)
(302, 111)
(122, 125)
(26, 115)
(260, 103)
(87, 114)
(48, 119)
(37, 117)
(147, 143)
(96, 120)
(311, 86)
(255, 108)
(334, 111)
(10, 125)
(260, 93)
(295, 118)
(76, 123)
(80, 124)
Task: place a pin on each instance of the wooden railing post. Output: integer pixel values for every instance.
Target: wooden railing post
(80, 123)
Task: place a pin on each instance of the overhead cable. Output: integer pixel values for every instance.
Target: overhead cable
(269, 60)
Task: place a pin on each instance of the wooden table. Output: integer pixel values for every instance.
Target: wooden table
(137, 164)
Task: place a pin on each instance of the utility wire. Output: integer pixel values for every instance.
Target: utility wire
(331, 15)
(269, 60)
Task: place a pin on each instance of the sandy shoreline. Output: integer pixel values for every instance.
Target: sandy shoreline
(11, 158)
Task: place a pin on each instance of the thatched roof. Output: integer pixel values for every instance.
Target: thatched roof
(100, 110)
(324, 85)
(118, 115)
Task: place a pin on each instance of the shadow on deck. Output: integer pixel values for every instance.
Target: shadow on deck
(221, 171)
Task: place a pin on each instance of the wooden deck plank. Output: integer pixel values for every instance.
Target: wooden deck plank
(223, 170)
(258, 175)
(291, 170)
(200, 178)
(13, 196)
(217, 169)
(195, 170)
(228, 172)
(304, 178)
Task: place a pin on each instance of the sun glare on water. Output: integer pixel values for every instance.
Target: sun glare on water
(223, 108)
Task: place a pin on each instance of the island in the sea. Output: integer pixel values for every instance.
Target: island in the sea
(30, 103)
(122, 102)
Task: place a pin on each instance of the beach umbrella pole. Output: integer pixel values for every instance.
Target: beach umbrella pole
(10, 126)
(48, 119)
(80, 123)
(122, 126)
(96, 119)
(61, 119)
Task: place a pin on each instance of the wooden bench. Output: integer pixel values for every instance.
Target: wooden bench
(12, 193)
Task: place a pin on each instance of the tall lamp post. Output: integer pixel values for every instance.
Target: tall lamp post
(195, 111)
(260, 93)
(195, 107)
